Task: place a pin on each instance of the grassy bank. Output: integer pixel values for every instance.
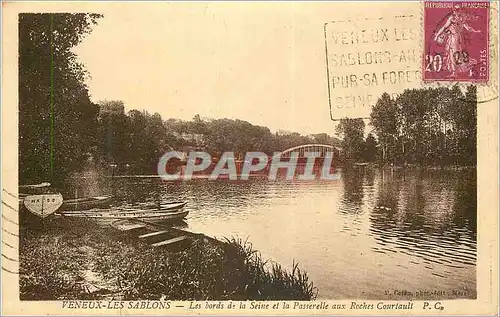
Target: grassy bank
(78, 259)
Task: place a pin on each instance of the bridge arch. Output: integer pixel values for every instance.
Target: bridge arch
(313, 147)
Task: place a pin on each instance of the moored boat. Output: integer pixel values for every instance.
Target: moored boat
(37, 189)
(43, 205)
(40, 199)
(35, 186)
(160, 207)
(106, 216)
(86, 203)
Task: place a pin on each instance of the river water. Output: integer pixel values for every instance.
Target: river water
(374, 234)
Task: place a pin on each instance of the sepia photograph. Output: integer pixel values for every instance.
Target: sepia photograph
(214, 152)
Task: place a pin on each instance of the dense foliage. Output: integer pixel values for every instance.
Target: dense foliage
(434, 126)
(134, 141)
(431, 126)
(57, 120)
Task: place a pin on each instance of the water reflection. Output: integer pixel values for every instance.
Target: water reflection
(421, 217)
(357, 237)
(465, 203)
(353, 190)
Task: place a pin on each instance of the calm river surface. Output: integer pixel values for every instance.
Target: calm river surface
(365, 236)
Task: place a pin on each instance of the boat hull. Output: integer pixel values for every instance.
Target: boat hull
(162, 217)
(86, 203)
(107, 216)
(151, 207)
(43, 205)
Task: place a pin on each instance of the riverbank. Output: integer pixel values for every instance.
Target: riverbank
(78, 259)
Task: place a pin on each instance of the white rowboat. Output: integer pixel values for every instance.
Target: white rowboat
(43, 205)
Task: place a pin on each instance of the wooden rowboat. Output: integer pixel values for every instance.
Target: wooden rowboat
(43, 205)
(39, 199)
(107, 216)
(86, 203)
(159, 207)
(35, 186)
(110, 215)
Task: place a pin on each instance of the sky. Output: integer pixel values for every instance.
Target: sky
(262, 62)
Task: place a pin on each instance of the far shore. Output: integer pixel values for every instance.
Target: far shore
(345, 167)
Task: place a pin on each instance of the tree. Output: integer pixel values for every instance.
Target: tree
(412, 110)
(351, 132)
(324, 138)
(384, 118)
(470, 122)
(428, 126)
(370, 150)
(57, 120)
(114, 137)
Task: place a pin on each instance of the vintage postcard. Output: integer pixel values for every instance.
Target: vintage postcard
(250, 158)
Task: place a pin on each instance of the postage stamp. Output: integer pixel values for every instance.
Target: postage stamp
(456, 36)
